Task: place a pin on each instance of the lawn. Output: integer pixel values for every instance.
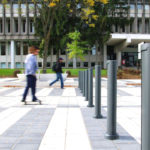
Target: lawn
(74, 72)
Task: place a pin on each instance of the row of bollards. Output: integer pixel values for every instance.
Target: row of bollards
(86, 87)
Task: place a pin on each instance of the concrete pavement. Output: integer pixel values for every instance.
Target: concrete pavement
(64, 122)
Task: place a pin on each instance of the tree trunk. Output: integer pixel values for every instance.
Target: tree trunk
(74, 62)
(57, 55)
(45, 56)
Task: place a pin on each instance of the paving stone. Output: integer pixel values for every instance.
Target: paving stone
(26, 147)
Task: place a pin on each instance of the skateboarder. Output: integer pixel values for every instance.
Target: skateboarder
(30, 71)
(58, 69)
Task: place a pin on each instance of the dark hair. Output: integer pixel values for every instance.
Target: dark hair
(32, 49)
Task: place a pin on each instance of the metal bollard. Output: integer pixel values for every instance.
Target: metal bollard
(86, 85)
(111, 100)
(83, 83)
(145, 115)
(90, 88)
(79, 78)
(98, 92)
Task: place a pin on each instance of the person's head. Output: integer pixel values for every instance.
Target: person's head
(34, 50)
(60, 59)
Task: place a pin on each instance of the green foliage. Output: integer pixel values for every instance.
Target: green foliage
(77, 47)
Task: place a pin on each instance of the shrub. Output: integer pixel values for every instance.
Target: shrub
(16, 72)
(68, 72)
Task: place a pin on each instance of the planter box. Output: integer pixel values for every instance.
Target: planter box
(42, 77)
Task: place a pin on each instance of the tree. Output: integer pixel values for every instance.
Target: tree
(77, 47)
(48, 10)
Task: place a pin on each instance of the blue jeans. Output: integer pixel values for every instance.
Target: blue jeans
(59, 76)
(31, 83)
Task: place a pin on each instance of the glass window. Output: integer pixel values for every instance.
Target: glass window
(92, 64)
(8, 25)
(23, 9)
(18, 65)
(85, 64)
(1, 26)
(31, 8)
(7, 8)
(54, 51)
(25, 48)
(40, 64)
(18, 48)
(3, 65)
(9, 65)
(63, 52)
(70, 64)
(16, 25)
(31, 26)
(78, 64)
(3, 49)
(15, 8)
(48, 64)
(24, 26)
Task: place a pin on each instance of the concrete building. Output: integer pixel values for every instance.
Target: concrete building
(16, 29)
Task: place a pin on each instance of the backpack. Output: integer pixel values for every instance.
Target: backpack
(55, 68)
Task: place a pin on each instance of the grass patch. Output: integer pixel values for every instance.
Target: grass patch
(74, 72)
(7, 72)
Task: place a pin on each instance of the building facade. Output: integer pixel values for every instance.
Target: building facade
(17, 29)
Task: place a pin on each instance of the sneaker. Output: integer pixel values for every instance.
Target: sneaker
(23, 100)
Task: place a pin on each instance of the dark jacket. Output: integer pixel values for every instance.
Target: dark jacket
(59, 67)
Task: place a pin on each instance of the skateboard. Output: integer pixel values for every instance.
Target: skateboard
(31, 102)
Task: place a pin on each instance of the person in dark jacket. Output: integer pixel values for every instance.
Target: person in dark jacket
(58, 73)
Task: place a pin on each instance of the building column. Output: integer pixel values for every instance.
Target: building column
(118, 58)
(105, 57)
(12, 53)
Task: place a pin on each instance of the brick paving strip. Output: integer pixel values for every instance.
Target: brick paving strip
(27, 133)
(96, 129)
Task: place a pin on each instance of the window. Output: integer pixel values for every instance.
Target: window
(31, 8)
(25, 48)
(9, 65)
(1, 26)
(3, 65)
(16, 25)
(92, 64)
(54, 51)
(18, 65)
(23, 26)
(78, 64)
(63, 52)
(7, 9)
(3, 49)
(40, 64)
(31, 26)
(15, 8)
(8, 25)
(18, 48)
(48, 64)
(70, 64)
(85, 64)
